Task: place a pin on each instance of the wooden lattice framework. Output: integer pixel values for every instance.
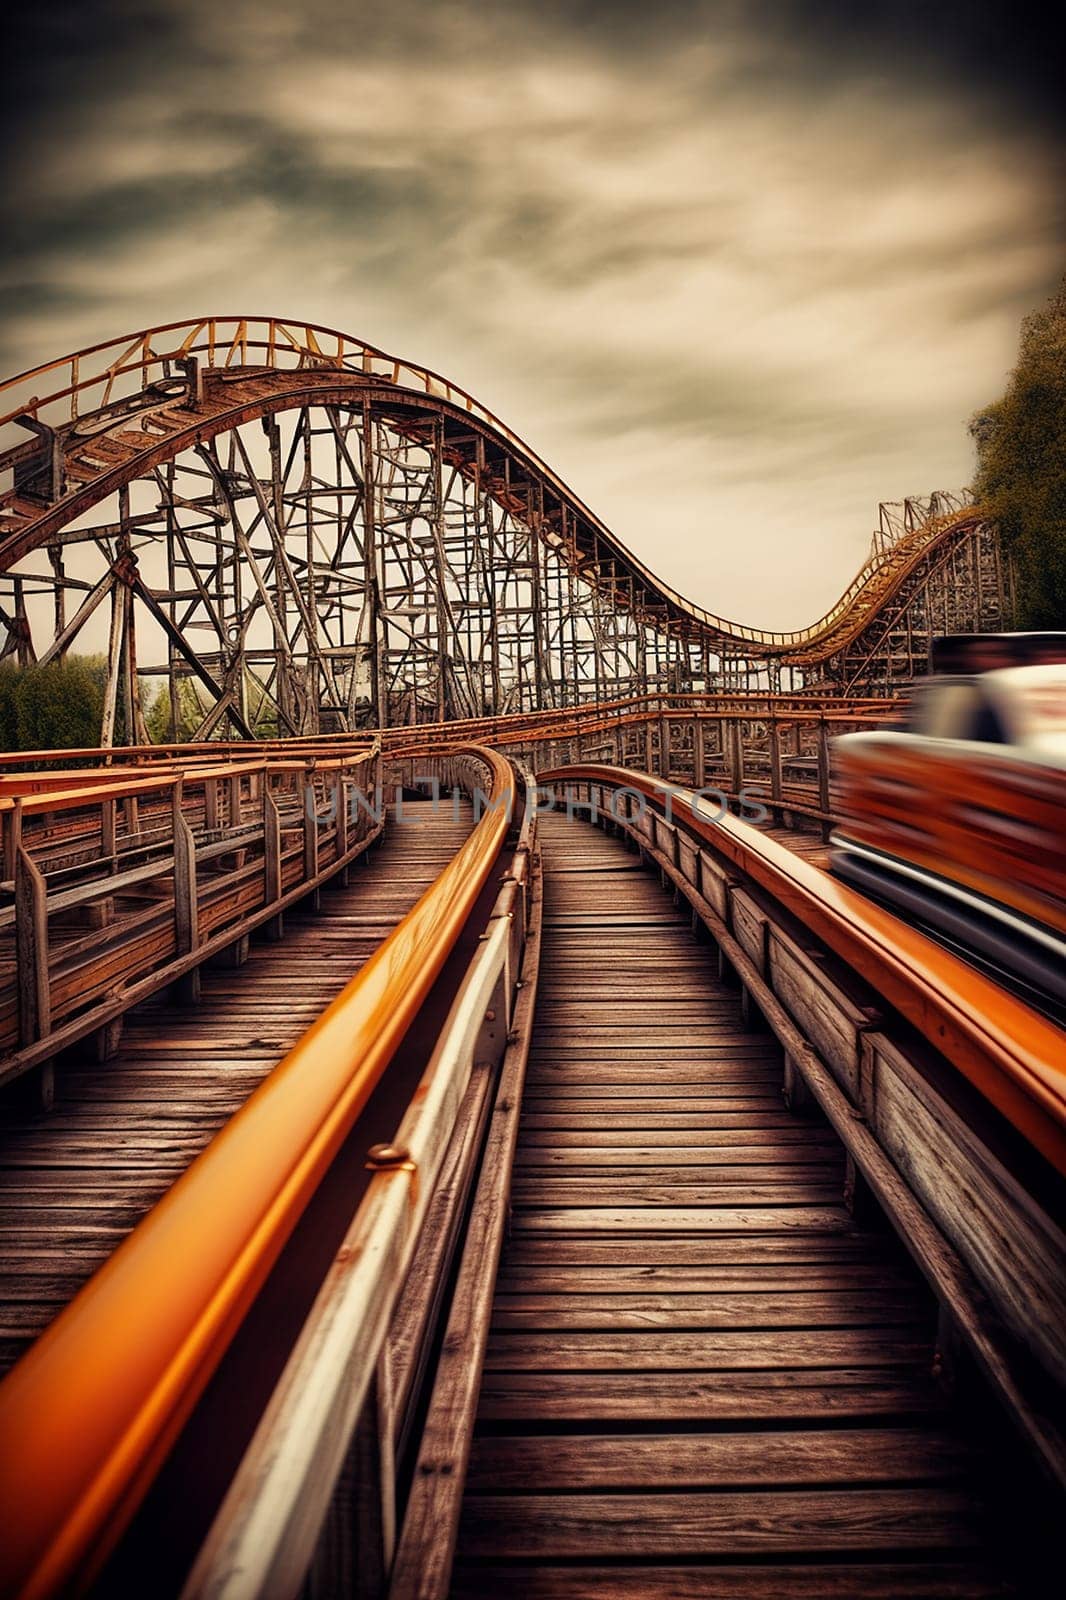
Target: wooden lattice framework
(323, 537)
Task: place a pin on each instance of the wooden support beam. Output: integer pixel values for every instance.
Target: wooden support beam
(107, 832)
(58, 647)
(310, 836)
(186, 910)
(177, 639)
(274, 928)
(114, 666)
(31, 960)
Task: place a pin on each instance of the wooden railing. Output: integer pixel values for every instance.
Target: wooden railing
(518, 730)
(775, 752)
(116, 884)
(777, 746)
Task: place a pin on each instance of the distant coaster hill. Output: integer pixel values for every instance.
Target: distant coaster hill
(316, 533)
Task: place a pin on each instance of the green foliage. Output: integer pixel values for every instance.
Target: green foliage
(9, 681)
(159, 719)
(194, 704)
(1021, 466)
(57, 707)
(262, 713)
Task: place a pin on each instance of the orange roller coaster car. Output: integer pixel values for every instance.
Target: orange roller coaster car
(961, 826)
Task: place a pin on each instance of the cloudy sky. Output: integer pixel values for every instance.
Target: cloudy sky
(738, 271)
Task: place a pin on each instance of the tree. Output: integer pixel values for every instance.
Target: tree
(1021, 466)
(57, 707)
(262, 713)
(9, 710)
(193, 706)
(159, 719)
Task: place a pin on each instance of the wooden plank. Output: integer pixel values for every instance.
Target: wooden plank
(832, 1011)
(785, 1132)
(689, 1219)
(669, 1166)
(673, 1373)
(654, 1190)
(846, 1456)
(734, 1118)
(1014, 1247)
(750, 920)
(856, 1279)
(785, 1522)
(31, 950)
(733, 1351)
(912, 1580)
(798, 1307)
(684, 1251)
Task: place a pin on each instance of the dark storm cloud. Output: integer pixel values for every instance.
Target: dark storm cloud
(733, 267)
(1012, 51)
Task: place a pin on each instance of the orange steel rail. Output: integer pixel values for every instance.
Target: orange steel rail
(88, 1415)
(1013, 1055)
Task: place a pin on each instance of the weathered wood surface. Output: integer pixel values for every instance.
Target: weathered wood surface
(75, 1181)
(802, 842)
(697, 1354)
(103, 917)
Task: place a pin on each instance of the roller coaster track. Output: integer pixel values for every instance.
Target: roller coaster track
(519, 1022)
(407, 1190)
(117, 413)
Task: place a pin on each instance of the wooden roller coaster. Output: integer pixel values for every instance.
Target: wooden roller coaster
(317, 532)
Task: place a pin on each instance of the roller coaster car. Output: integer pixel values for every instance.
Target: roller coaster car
(960, 824)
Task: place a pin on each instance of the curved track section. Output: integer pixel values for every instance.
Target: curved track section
(392, 537)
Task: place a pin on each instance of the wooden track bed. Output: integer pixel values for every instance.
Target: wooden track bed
(74, 1181)
(704, 1377)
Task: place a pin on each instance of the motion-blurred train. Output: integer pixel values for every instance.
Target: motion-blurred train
(958, 823)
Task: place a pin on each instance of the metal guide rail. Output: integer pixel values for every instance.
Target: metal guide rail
(118, 882)
(89, 1417)
(346, 1397)
(948, 1092)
